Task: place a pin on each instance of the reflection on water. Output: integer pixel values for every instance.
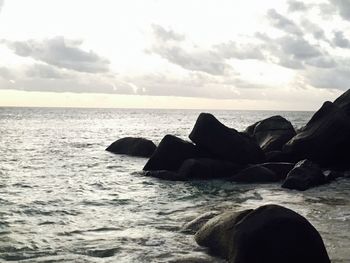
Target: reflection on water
(64, 199)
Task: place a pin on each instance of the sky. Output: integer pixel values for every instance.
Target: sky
(202, 54)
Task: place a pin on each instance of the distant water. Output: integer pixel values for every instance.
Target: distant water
(64, 199)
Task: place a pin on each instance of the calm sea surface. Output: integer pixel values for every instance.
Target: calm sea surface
(63, 198)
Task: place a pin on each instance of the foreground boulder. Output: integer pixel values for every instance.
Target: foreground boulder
(224, 143)
(205, 168)
(325, 138)
(170, 154)
(133, 146)
(272, 133)
(304, 175)
(270, 233)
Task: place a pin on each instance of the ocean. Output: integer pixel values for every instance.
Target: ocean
(63, 198)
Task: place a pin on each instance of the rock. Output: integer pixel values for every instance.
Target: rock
(272, 133)
(270, 233)
(279, 156)
(304, 175)
(205, 168)
(193, 226)
(217, 234)
(165, 175)
(255, 174)
(133, 146)
(332, 175)
(281, 169)
(224, 143)
(325, 139)
(170, 154)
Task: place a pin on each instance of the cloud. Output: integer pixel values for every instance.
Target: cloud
(340, 41)
(233, 50)
(337, 78)
(202, 60)
(164, 35)
(296, 6)
(283, 23)
(309, 27)
(343, 8)
(1, 4)
(298, 47)
(197, 60)
(60, 52)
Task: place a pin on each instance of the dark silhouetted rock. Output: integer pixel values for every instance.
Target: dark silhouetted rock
(281, 169)
(224, 143)
(272, 133)
(279, 156)
(165, 175)
(254, 174)
(304, 175)
(271, 234)
(332, 175)
(204, 168)
(170, 154)
(133, 146)
(325, 138)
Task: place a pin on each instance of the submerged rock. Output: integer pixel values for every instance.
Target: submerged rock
(223, 142)
(133, 146)
(170, 154)
(325, 138)
(304, 175)
(255, 174)
(281, 169)
(272, 133)
(270, 233)
(205, 168)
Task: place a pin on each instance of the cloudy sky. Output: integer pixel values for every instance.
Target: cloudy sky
(251, 54)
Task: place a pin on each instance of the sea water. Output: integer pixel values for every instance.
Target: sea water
(63, 198)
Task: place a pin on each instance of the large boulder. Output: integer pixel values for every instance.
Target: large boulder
(304, 175)
(133, 146)
(272, 133)
(255, 174)
(223, 142)
(270, 233)
(205, 168)
(325, 138)
(170, 154)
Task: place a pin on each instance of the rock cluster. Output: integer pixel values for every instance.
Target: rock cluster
(268, 151)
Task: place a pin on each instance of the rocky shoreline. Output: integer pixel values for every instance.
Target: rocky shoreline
(269, 150)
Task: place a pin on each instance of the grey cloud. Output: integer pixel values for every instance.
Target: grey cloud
(283, 23)
(232, 50)
(61, 53)
(205, 61)
(164, 35)
(322, 62)
(296, 6)
(45, 71)
(337, 78)
(6, 73)
(312, 28)
(298, 47)
(340, 41)
(343, 7)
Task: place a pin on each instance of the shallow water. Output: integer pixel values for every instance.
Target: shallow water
(64, 199)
